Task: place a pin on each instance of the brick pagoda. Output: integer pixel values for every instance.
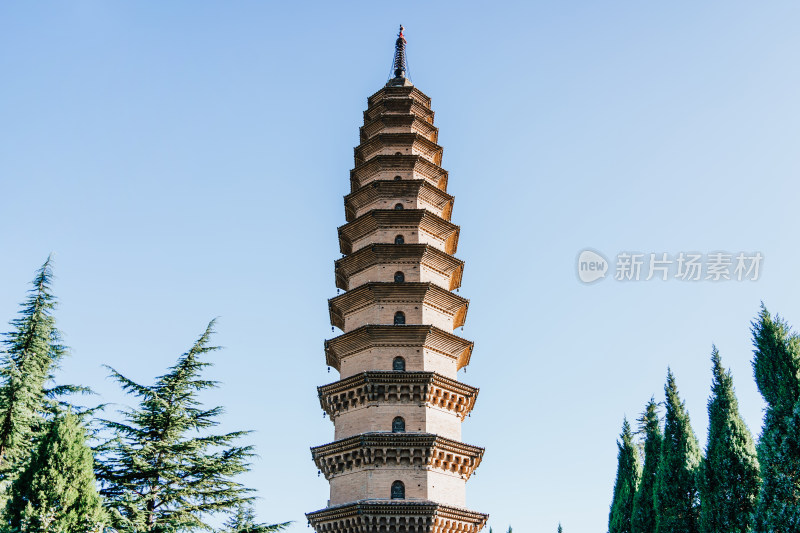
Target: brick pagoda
(397, 463)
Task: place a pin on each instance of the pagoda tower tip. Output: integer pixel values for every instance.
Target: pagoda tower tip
(399, 63)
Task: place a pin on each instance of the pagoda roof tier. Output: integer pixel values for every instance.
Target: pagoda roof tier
(392, 190)
(398, 106)
(429, 337)
(377, 449)
(399, 92)
(395, 144)
(387, 386)
(416, 254)
(389, 166)
(413, 516)
(392, 123)
(426, 293)
(403, 219)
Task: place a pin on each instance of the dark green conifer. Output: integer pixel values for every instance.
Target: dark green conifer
(166, 471)
(32, 350)
(559, 528)
(776, 365)
(677, 500)
(644, 511)
(629, 471)
(56, 492)
(729, 473)
(243, 520)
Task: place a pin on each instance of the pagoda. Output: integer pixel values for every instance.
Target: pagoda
(397, 463)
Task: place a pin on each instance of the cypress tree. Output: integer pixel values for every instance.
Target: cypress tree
(165, 471)
(776, 365)
(559, 528)
(56, 492)
(676, 497)
(729, 474)
(629, 472)
(644, 511)
(32, 350)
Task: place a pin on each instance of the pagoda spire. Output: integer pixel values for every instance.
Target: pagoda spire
(399, 63)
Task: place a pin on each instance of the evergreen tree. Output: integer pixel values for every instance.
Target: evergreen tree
(164, 471)
(32, 350)
(644, 511)
(243, 520)
(776, 365)
(559, 528)
(629, 472)
(56, 492)
(729, 474)
(676, 497)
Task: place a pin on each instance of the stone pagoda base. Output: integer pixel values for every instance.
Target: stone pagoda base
(399, 516)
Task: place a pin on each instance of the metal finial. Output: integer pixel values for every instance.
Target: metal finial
(399, 64)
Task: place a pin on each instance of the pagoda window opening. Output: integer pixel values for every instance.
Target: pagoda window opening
(398, 425)
(397, 178)
(398, 490)
(399, 240)
(399, 364)
(398, 153)
(399, 318)
(399, 277)
(398, 207)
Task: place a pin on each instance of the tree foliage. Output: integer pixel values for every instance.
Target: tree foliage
(57, 490)
(729, 473)
(165, 471)
(776, 365)
(643, 519)
(629, 472)
(676, 499)
(32, 351)
(243, 520)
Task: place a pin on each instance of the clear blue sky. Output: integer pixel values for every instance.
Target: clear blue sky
(187, 160)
